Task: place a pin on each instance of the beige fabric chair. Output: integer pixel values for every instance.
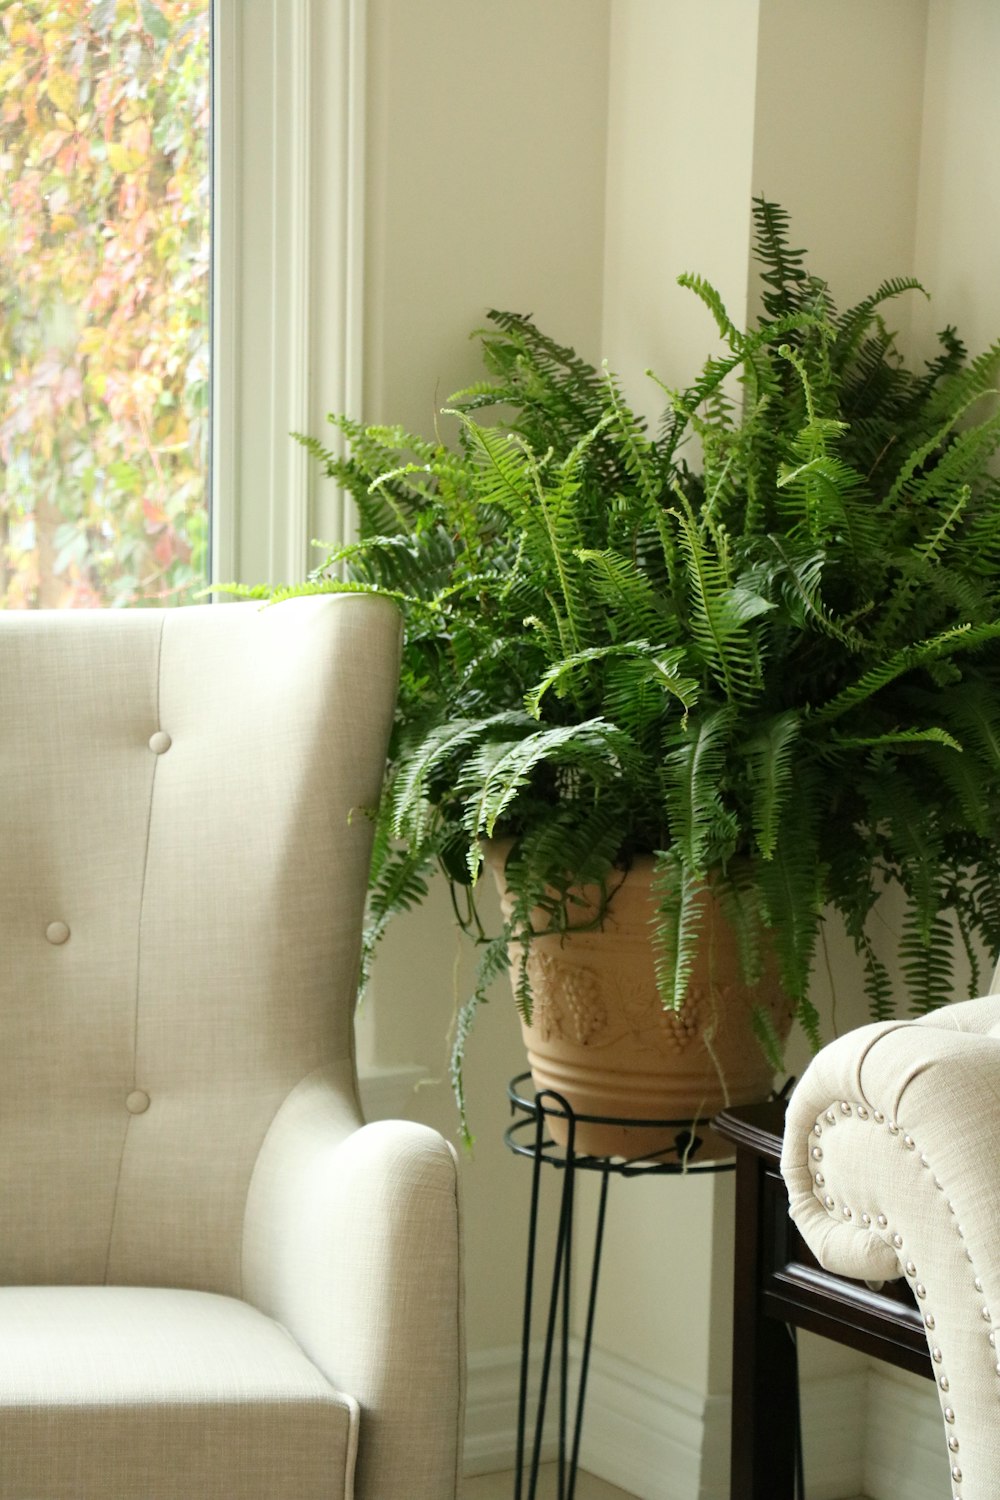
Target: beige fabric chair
(215, 1284)
(892, 1165)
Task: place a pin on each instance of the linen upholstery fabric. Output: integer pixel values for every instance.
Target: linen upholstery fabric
(183, 860)
(121, 1391)
(904, 1116)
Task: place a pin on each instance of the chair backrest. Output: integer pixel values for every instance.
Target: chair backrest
(183, 861)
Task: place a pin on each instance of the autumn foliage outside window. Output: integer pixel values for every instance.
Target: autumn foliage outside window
(104, 309)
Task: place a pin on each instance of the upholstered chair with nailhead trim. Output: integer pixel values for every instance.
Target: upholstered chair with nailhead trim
(892, 1170)
(216, 1283)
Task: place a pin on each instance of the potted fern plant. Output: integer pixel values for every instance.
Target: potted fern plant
(765, 683)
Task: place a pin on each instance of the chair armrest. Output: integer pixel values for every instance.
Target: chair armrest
(352, 1242)
(891, 1166)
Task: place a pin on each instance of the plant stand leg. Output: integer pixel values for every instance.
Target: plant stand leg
(559, 1301)
(595, 1271)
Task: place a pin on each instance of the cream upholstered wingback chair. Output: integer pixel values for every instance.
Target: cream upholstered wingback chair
(892, 1166)
(215, 1282)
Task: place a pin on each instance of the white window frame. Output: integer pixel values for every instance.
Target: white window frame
(288, 158)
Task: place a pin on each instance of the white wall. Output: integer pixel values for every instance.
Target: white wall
(818, 108)
(679, 156)
(837, 132)
(956, 254)
(486, 129)
(570, 159)
(679, 177)
(958, 215)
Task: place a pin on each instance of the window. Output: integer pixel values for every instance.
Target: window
(104, 408)
(104, 301)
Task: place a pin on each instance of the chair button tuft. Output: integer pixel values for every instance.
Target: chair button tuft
(160, 742)
(137, 1102)
(56, 933)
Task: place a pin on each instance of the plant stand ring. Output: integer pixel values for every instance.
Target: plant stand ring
(528, 1136)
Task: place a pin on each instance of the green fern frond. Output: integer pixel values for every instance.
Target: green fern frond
(557, 674)
(707, 294)
(977, 718)
(738, 897)
(642, 692)
(638, 453)
(578, 844)
(394, 562)
(974, 791)
(926, 464)
(770, 755)
(505, 474)
(957, 392)
(436, 752)
(677, 893)
(984, 907)
(931, 548)
(494, 960)
(277, 595)
(964, 915)
(799, 578)
(790, 892)
(853, 324)
(895, 739)
(398, 882)
(827, 498)
(494, 780)
(926, 954)
(720, 611)
(784, 268)
(959, 638)
(510, 476)
(627, 591)
(877, 982)
(938, 371)
(768, 1039)
(694, 801)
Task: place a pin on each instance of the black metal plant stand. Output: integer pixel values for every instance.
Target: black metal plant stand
(528, 1136)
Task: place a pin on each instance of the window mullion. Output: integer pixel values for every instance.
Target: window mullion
(288, 192)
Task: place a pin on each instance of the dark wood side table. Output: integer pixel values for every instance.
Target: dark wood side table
(778, 1286)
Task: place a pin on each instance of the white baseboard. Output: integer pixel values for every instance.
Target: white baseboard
(491, 1410)
(905, 1451)
(636, 1426)
(639, 1432)
(661, 1441)
(650, 1436)
(833, 1435)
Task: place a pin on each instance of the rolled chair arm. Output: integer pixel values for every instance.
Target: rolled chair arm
(891, 1162)
(352, 1242)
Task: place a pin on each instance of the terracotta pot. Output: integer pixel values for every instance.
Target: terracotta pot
(601, 1038)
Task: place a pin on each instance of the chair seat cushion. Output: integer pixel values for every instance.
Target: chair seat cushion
(166, 1395)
